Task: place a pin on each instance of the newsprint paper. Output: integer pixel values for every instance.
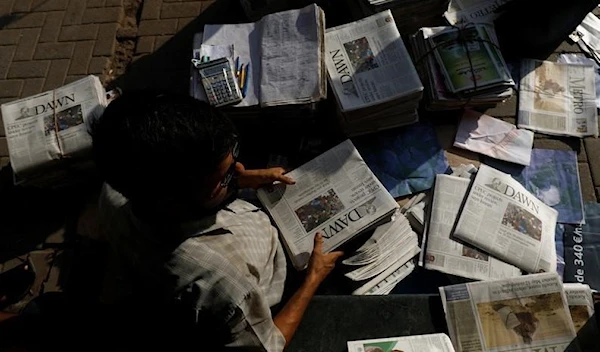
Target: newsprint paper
(52, 124)
(558, 99)
(441, 252)
(417, 343)
(335, 194)
(503, 219)
(528, 313)
(368, 63)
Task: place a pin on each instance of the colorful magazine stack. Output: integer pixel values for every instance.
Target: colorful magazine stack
(461, 67)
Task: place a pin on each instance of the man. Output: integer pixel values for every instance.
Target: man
(181, 238)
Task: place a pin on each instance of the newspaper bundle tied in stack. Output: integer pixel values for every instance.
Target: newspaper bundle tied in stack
(503, 219)
(335, 194)
(417, 343)
(45, 128)
(373, 78)
(441, 252)
(528, 313)
(473, 11)
(558, 99)
(281, 56)
(383, 261)
(461, 66)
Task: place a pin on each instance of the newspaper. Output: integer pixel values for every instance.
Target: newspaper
(473, 11)
(368, 63)
(558, 99)
(581, 303)
(289, 58)
(335, 194)
(441, 252)
(528, 313)
(503, 219)
(418, 343)
(51, 125)
(587, 35)
(580, 59)
(493, 137)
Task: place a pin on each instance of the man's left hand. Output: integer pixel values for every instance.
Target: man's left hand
(257, 178)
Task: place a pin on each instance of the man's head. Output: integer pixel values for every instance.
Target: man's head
(165, 150)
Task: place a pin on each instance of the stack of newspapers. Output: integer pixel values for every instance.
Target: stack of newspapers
(49, 131)
(280, 57)
(487, 228)
(385, 259)
(372, 75)
(461, 66)
(529, 313)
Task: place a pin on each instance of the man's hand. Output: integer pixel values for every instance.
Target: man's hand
(257, 178)
(321, 264)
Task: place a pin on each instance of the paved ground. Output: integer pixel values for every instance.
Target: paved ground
(128, 43)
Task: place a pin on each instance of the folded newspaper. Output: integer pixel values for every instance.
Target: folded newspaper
(381, 258)
(49, 126)
(528, 313)
(335, 194)
(503, 219)
(558, 99)
(281, 56)
(374, 80)
(441, 252)
(581, 303)
(493, 137)
(417, 343)
(587, 35)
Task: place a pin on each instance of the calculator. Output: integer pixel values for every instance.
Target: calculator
(219, 81)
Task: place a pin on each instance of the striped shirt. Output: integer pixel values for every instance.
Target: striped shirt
(229, 265)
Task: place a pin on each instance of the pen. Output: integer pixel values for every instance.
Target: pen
(237, 66)
(227, 81)
(245, 89)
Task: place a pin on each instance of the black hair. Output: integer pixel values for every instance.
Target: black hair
(158, 146)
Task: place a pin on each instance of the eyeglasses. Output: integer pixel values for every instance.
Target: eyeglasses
(235, 153)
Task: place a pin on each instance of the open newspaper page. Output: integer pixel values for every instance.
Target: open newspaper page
(558, 99)
(444, 254)
(581, 303)
(528, 313)
(335, 194)
(502, 218)
(417, 343)
(52, 124)
(469, 11)
(368, 63)
(292, 48)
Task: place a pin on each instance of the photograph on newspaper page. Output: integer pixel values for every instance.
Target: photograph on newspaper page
(462, 74)
(52, 124)
(368, 63)
(444, 254)
(417, 343)
(335, 194)
(503, 219)
(558, 99)
(518, 314)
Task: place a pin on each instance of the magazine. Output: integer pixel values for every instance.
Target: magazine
(493, 137)
(558, 99)
(441, 252)
(418, 343)
(335, 194)
(527, 313)
(553, 177)
(52, 125)
(282, 56)
(503, 219)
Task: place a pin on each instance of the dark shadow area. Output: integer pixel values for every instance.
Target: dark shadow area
(6, 20)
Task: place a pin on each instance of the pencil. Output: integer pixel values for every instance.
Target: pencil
(241, 77)
(245, 74)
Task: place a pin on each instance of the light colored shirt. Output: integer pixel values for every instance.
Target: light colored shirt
(230, 265)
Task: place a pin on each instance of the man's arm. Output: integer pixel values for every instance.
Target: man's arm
(319, 267)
